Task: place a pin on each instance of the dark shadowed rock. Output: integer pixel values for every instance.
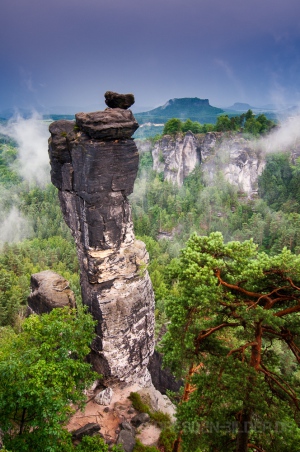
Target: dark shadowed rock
(116, 100)
(127, 426)
(94, 166)
(139, 419)
(162, 379)
(87, 430)
(127, 440)
(110, 124)
(48, 291)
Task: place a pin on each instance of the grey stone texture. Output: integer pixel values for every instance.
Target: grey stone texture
(48, 291)
(110, 124)
(89, 429)
(104, 397)
(127, 440)
(94, 163)
(116, 100)
(162, 377)
(240, 161)
(140, 419)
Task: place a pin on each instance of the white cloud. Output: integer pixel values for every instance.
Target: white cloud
(283, 138)
(14, 227)
(31, 136)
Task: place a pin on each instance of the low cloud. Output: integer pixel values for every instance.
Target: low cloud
(31, 136)
(285, 137)
(14, 227)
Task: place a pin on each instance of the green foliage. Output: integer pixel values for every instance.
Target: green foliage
(42, 371)
(279, 182)
(166, 439)
(189, 125)
(159, 417)
(172, 127)
(10, 297)
(95, 444)
(41, 207)
(138, 404)
(162, 419)
(19, 261)
(159, 207)
(246, 122)
(145, 164)
(139, 447)
(207, 128)
(223, 124)
(229, 314)
(8, 157)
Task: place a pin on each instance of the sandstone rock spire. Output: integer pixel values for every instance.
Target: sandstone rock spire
(94, 162)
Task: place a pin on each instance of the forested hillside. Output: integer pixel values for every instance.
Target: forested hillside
(164, 217)
(43, 365)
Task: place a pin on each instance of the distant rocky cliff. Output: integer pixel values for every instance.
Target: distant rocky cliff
(94, 162)
(176, 157)
(240, 161)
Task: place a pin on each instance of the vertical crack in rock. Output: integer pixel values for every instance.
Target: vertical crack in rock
(94, 162)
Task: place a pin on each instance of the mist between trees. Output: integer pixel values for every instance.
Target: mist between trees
(164, 217)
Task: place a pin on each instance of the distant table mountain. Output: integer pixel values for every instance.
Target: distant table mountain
(241, 107)
(185, 108)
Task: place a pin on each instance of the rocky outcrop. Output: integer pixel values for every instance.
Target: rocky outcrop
(239, 160)
(127, 440)
(162, 378)
(110, 124)
(176, 157)
(48, 291)
(116, 100)
(89, 429)
(94, 163)
(104, 397)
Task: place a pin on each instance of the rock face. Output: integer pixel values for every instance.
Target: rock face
(48, 291)
(126, 440)
(111, 124)
(116, 100)
(238, 159)
(241, 161)
(94, 164)
(176, 157)
(162, 378)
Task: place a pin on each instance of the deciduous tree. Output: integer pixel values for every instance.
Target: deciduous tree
(42, 372)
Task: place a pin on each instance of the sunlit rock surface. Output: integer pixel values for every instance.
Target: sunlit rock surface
(94, 163)
(176, 157)
(239, 160)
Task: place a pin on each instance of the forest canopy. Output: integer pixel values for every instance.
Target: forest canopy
(196, 292)
(234, 334)
(247, 122)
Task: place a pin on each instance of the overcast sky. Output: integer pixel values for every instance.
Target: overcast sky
(69, 52)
